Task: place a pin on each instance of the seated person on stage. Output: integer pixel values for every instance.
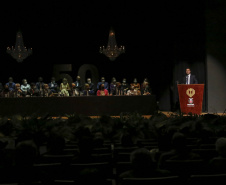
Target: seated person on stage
(77, 86)
(34, 90)
(91, 84)
(114, 87)
(40, 83)
(87, 91)
(53, 86)
(46, 91)
(124, 87)
(25, 87)
(102, 91)
(106, 85)
(133, 92)
(6, 92)
(146, 90)
(144, 84)
(64, 87)
(10, 85)
(18, 91)
(135, 84)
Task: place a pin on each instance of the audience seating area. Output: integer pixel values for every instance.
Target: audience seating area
(103, 150)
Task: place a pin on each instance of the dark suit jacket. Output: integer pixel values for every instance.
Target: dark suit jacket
(193, 80)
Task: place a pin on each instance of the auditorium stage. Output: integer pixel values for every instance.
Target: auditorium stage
(82, 105)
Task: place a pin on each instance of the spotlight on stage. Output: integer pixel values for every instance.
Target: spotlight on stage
(112, 51)
(19, 52)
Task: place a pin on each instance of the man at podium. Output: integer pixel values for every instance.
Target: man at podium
(189, 78)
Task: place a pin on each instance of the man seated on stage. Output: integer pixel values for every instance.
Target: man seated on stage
(124, 87)
(77, 86)
(135, 84)
(102, 91)
(189, 78)
(106, 85)
(133, 91)
(10, 84)
(64, 88)
(34, 92)
(87, 91)
(91, 84)
(40, 83)
(25, 87)
(53, 86)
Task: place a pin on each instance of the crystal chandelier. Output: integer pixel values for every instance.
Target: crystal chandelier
(20, 52)
(112, 51)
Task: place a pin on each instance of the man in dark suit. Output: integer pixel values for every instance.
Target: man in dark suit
(189, 78)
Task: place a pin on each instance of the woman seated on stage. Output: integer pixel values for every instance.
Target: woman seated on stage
(102, 91)
(133, 92)
(64, 87)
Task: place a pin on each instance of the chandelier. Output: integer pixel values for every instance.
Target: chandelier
(19, 52)
(112, 51)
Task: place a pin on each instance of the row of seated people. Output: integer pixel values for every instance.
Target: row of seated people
(76, 88)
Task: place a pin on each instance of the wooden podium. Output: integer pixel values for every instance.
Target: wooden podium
(191, 98)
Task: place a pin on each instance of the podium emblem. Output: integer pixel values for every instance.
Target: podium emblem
(190, 92)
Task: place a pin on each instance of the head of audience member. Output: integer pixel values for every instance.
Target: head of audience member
(127, 139)
(26, 153)
(98, 140)
(179, 142)
(221, 146)
(142, 162)
(56, 144)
